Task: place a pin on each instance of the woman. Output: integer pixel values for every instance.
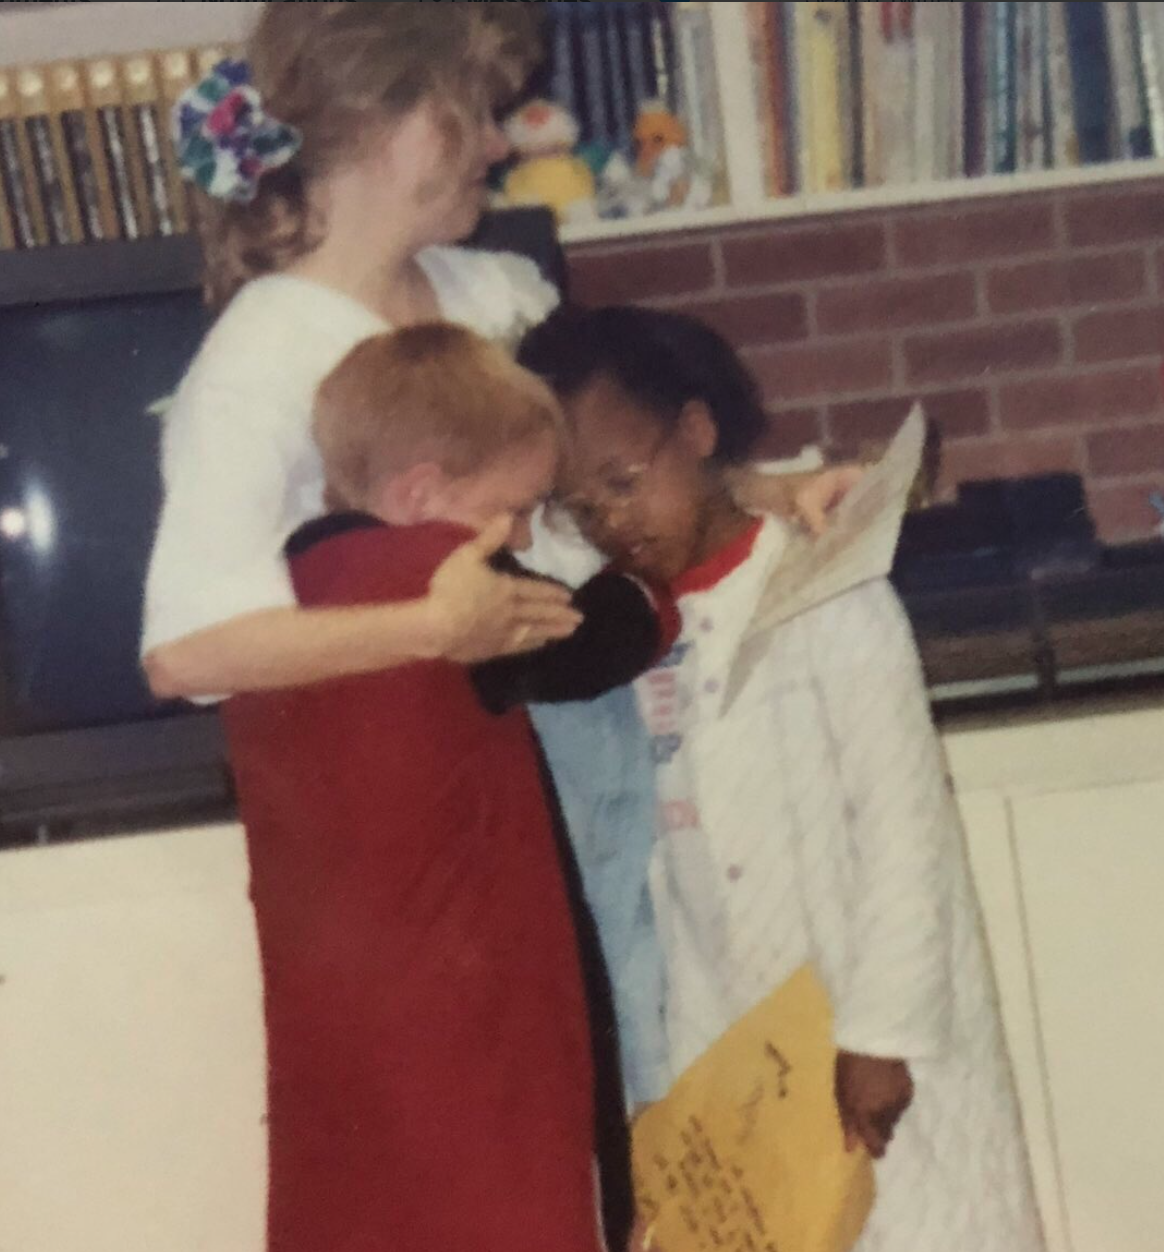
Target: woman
(335, 173)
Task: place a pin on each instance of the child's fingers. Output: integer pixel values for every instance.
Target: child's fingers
(532, 593)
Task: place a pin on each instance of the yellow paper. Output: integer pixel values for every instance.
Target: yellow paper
(746, 1152)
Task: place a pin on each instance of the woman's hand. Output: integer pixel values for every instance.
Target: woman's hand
(805, 498)
(814, 498)
(478, 614)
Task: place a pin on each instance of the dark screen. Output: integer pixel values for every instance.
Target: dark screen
(79, 497)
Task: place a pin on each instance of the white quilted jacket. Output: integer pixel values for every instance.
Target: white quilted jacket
(814, 821)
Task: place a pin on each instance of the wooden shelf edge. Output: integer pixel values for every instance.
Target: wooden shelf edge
(862, 199)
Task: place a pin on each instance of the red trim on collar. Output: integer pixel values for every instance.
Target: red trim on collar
(720, 564)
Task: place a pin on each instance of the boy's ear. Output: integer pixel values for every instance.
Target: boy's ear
(414, 496)
(698, 429)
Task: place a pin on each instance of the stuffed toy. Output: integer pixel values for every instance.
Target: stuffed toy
(544, 135)
(665, 162)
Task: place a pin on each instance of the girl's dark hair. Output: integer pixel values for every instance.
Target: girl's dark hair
(661, 360)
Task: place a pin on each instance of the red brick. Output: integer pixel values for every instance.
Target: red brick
(1066, 281)
(752, 321)
(823, 369)
(975, 459)
(1115, 216)
(956, 413)
(1081, 399)
(789, 432)
(1134, 450)
(1119, 334)
(894, 302)
(1122, 511)
(628, 275)
(788, 255)
(947, 356)
(957, 235)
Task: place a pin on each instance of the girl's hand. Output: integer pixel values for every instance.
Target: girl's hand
(872, 1094)
(478, 614)
(642, 1238)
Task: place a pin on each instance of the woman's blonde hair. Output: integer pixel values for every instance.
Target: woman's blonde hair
(430, 392)
(328, 68)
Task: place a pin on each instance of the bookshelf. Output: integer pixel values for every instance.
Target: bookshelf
(33, 34)
(863, 198)
(749, 200)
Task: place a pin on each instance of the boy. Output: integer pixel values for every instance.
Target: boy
(430, 1056)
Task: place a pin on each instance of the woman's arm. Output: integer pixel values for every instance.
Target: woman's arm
(470, 613)
(804, 497)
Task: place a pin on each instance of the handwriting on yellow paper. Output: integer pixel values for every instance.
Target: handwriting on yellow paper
(746, 1153)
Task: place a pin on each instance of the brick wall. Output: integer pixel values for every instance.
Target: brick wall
(1032, 327)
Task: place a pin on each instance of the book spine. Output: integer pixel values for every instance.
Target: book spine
(764, 103)
(7, 235)
(563, 85)
(822, 31)
(1005, 97)
(596, 116)
(927, 32)
(1152, 58)
(62, 217)
(1061, 101)
(175, 75)
(144, 115)
(897, 100)
(952, 92)
(783, 138)
(18, 170)
(67, 97)
(620, 97)
(973, 139)
(661, 64)
(1143, 143)
(104, 91)
(1090, 79)
(638, 55)
(1032, 66)
(870, 41)
(793, 81)
(1128, 128)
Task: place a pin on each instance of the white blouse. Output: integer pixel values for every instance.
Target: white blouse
(239, 466)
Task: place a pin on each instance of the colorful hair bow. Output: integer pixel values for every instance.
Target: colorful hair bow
(224, 139)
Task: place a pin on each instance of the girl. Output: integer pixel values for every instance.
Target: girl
(810, 822)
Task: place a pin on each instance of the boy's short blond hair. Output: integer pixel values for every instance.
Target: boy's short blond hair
(431, 392)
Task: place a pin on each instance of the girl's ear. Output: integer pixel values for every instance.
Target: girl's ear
(417, 495)
(698, 430)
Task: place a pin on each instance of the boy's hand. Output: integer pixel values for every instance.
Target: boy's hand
(872, 1094)
(478, 614)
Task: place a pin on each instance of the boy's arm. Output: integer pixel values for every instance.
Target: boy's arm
(625, 628)
(904, 843)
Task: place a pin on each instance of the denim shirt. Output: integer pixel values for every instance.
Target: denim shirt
(600, 757)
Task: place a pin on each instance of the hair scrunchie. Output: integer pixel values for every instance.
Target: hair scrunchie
(224, 139)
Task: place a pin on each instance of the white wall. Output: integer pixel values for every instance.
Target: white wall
(61, 31)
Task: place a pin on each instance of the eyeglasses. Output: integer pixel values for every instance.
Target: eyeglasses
(619, 490)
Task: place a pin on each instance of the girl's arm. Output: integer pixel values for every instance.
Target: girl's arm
(905, 840)
(470, 613)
